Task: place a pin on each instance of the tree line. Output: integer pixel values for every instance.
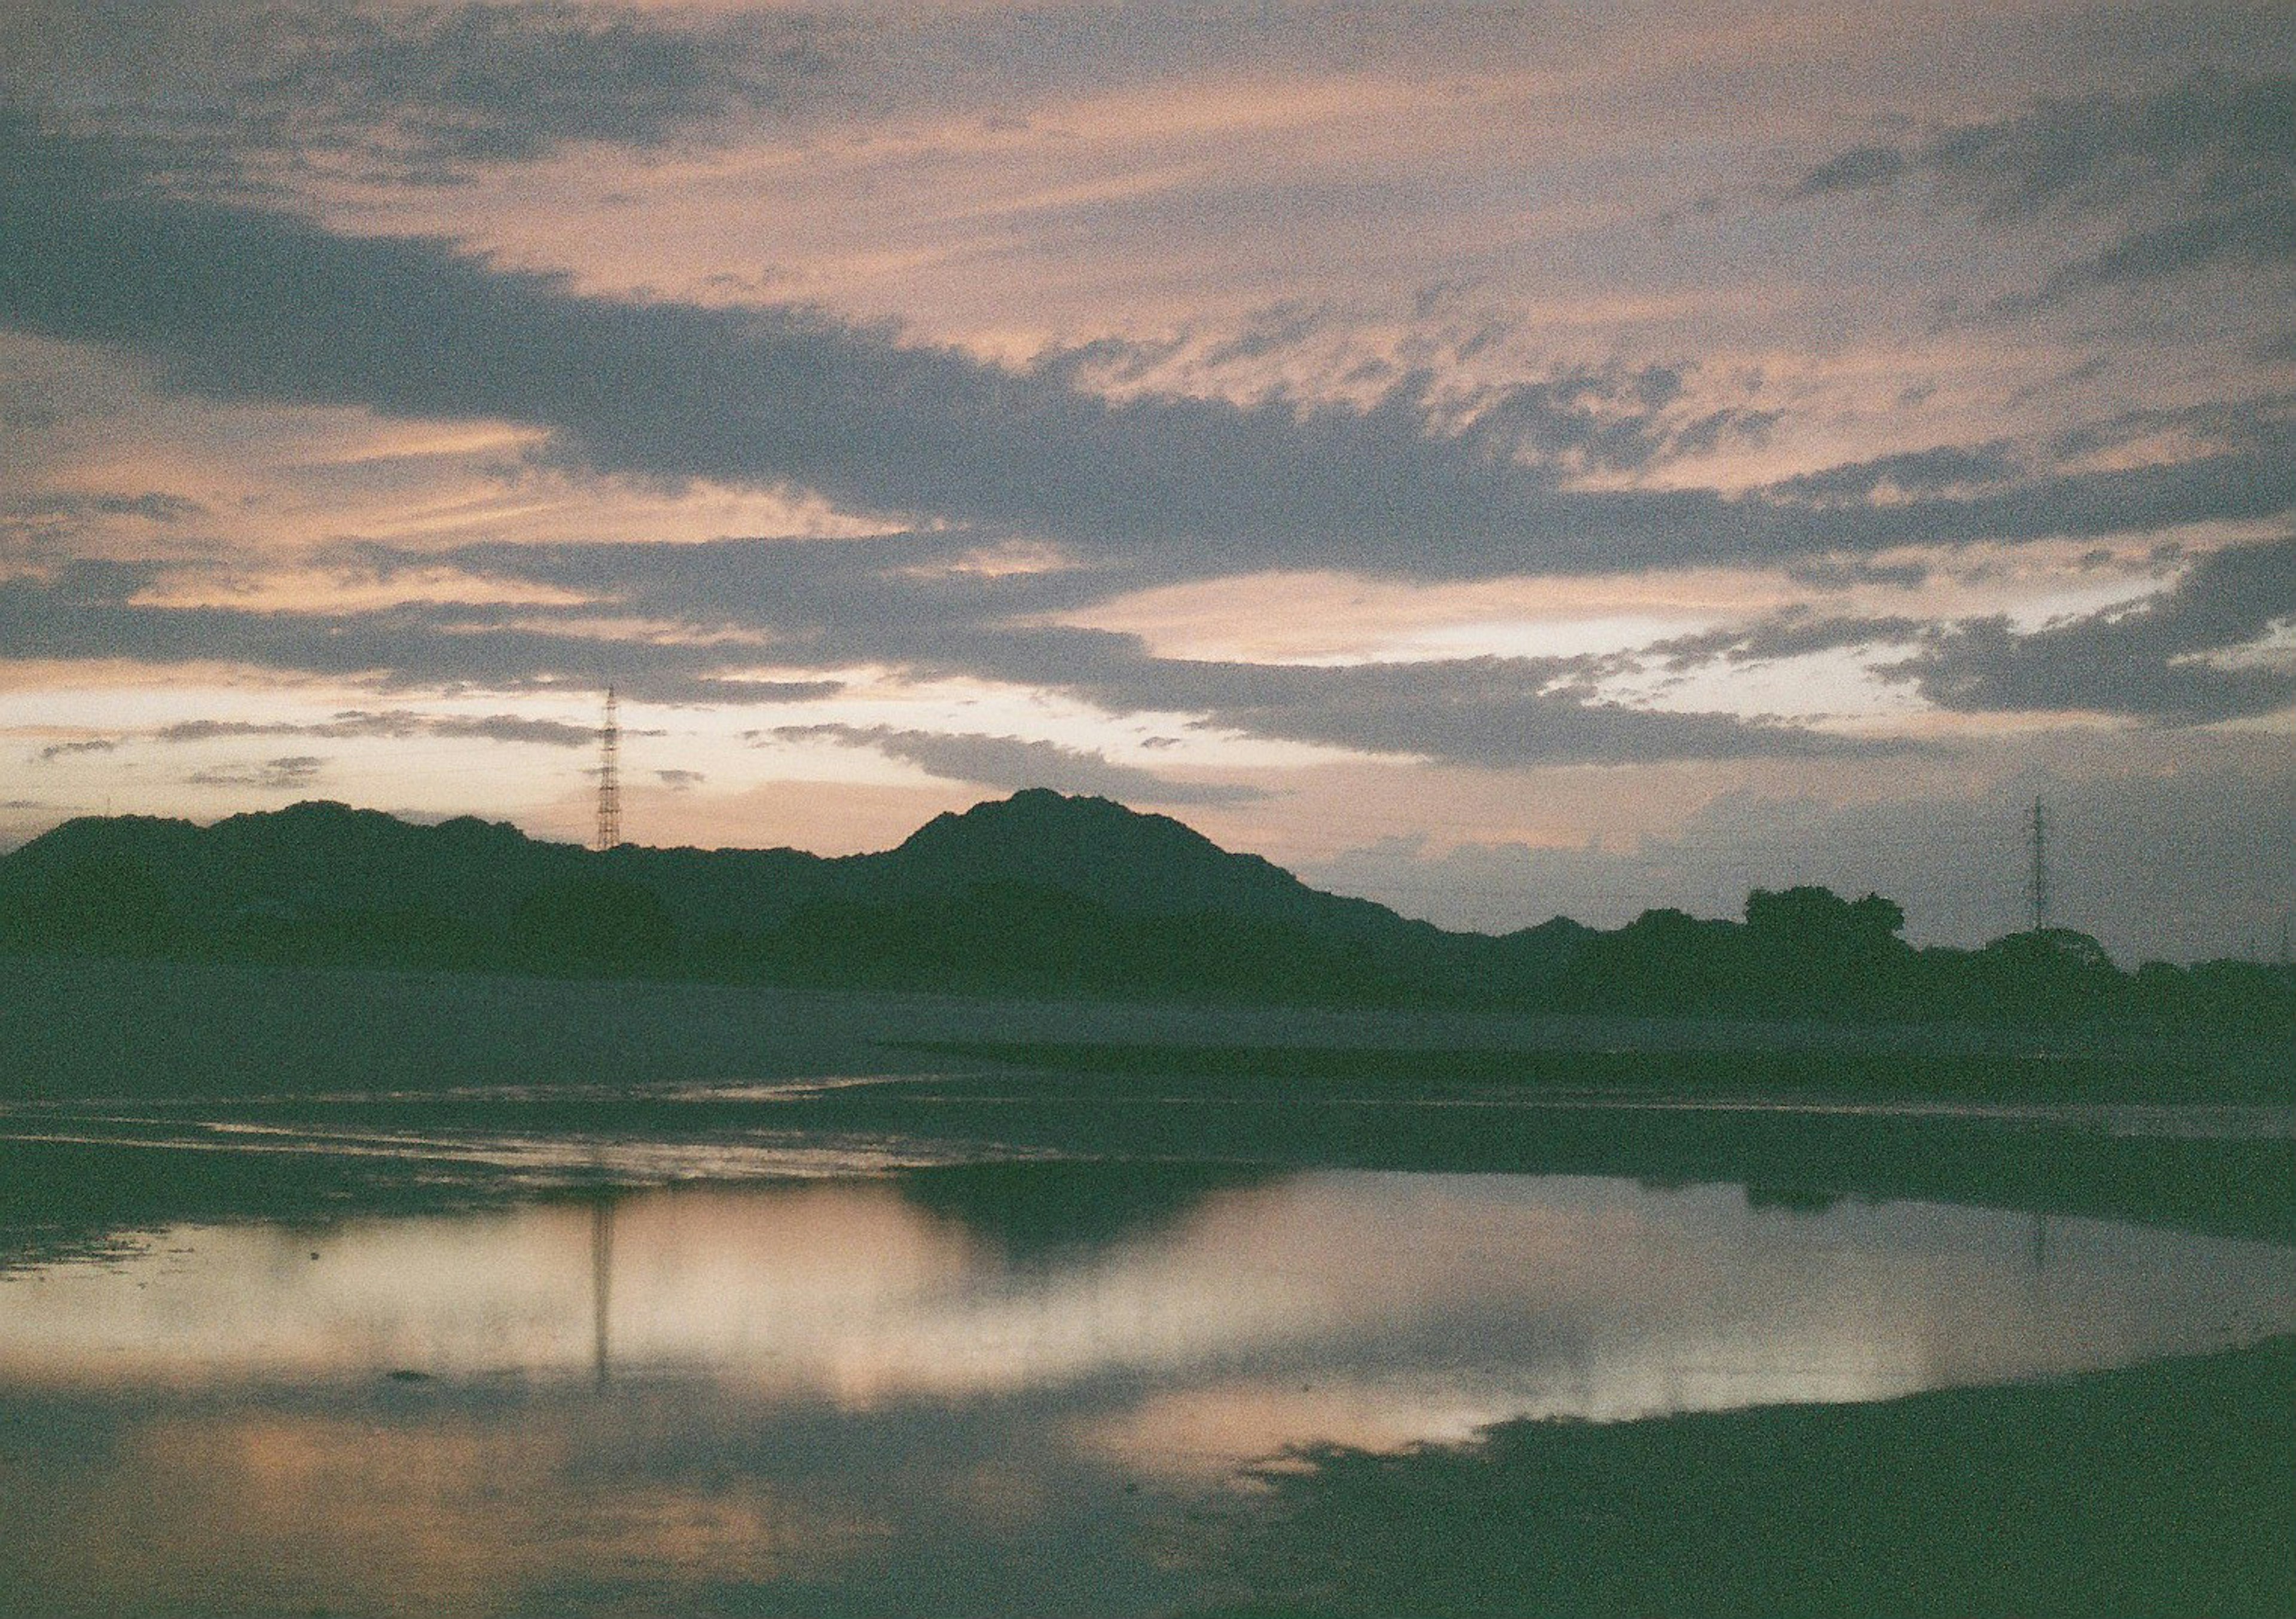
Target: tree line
(1797, 953)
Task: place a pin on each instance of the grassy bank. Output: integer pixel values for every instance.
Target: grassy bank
(86, 1028)
(2163, 1489)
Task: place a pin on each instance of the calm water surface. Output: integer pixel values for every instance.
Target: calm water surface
(996, 1389)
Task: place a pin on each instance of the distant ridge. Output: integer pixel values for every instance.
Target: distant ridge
(1039, 894)
(1100, 891)
(319, 855)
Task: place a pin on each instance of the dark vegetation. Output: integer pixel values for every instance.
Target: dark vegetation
(1039, 895)
(2158, 1490)
(2167, 1072)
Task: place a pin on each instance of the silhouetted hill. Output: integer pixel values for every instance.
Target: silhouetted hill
(1039, 890)
(1097, 849)
(1039, 895)
(319, 857)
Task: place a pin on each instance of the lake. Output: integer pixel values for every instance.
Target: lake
(850, 1384)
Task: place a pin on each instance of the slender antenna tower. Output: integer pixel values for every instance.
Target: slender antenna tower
(610, 779)
(2037, 886)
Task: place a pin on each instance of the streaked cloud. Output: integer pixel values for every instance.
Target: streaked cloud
(65, 750)
(393, 725)
(290, 773)
(236, 303)
(2198, 174)
(1006, 761)
(2171, 657)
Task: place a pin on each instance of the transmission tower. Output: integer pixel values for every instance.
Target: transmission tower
(610, 779)
(2037, 884)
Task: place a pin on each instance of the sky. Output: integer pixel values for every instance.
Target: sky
(1503, 459)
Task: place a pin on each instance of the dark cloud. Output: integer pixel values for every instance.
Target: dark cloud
(1908, 472)
(1012, 762)
(491, 82)
(1796, 632)
(2164, 658)
(2198, 174)
(64, 750)
(61, 505)
(423, 93)
(283, 775)
(1481, 711)
(820, 604)
(391, 723)
(515, 728)
(209, 730)
(1609, 419)
(240, 304)
(680, 780)
(2265, 424)
(91, 581)
(1857, 169)
(1832, 572)
(826, 597)
(419, 645)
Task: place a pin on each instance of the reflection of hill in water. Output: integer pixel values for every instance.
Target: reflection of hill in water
(1042, 1211)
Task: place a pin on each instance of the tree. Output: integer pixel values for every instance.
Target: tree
(593, 923)
(108, 902)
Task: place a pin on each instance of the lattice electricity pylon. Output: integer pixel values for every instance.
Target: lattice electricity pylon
(610, 779)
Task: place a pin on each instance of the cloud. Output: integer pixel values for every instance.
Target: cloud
(1908, 472)
(449, 646)
(240, 304)
(207, 730)
(392, 723)
(292, 772)
(2170, 658)
(63, 751)
(430, 89)
(423, 93)
(1012, 762)
(515, 728)
(2198, 174)
(1859, 168)
(1796, 632)
(153, 506)
(680, 780)
(1480, 711)
(827, 599)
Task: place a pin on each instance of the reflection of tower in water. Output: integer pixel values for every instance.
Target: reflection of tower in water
(602, 1280)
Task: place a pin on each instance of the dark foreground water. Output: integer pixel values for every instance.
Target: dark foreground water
(991, 1388)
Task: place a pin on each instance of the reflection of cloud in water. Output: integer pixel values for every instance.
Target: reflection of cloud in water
(1565, 1297)
(858, 1396)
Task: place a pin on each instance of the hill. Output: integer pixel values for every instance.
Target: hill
(1039, 891)
(1040, 894)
